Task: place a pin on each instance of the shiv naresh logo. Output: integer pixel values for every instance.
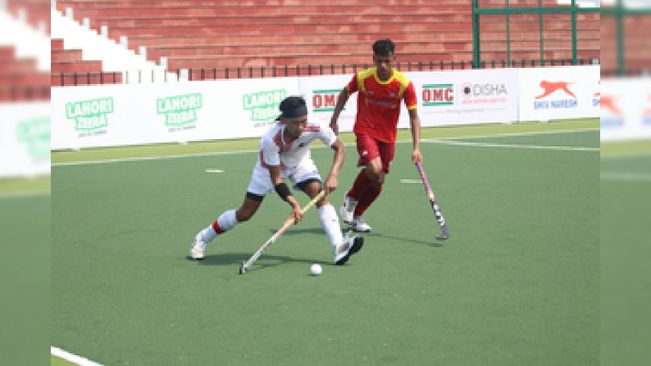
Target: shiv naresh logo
(608, 104)
(646, 114)
(611, 115)
(551, 90)
(551, 87)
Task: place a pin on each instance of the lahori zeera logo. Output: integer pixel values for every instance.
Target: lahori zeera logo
(263, 105)
(438, 95)
(35, 135)
(324, 100)
(90, 115)
(179, 110)
(555, 95)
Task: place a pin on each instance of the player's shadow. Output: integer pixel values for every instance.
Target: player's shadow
(291, 231)
(319, 231)
(433, 242)
(266, 260)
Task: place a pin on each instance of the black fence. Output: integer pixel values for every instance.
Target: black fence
(224, 73)
(24, 93)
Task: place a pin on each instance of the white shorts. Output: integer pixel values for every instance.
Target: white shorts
(261, 179)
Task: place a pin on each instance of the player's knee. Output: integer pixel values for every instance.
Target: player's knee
(374, 172)
(380, 179)
(244, 215)
(377, 176)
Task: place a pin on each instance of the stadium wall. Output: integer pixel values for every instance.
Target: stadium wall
(114, 115)
(625, 109)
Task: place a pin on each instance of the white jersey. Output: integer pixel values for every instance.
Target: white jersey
(274, 150)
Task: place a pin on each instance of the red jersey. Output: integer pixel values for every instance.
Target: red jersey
(378, 103)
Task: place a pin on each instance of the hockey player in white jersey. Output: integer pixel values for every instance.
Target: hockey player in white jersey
(285, 154)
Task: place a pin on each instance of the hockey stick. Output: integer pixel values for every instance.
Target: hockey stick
(289, 222)
(432, 200)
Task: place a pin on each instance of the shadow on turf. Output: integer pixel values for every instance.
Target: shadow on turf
(432, 243)
(237, 258)
(319, 231)
(292, 231)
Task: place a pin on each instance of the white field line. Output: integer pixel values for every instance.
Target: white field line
(20, 194)
(158, 157)
(410, 181)
(626, 177)
(515, 134)
(512, 146)
(78, 360)
(165, 157)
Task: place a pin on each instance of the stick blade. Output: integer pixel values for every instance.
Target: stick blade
(242, 268)
(444, 235)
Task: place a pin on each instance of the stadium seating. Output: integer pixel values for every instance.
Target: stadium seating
(37, 12)
(271, 37)
(210, 34)
(68, 68)
(19, 78)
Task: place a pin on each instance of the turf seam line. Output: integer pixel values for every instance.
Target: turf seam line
(219, 153)
(71, 357)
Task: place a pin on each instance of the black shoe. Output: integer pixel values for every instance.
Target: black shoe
(356, 246)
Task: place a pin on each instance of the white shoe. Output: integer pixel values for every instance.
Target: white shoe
(358, 225)
(197, 252)
(347, 209)
(350, 246)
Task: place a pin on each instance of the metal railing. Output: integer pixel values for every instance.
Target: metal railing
(24, 93)
(508, 11)
(225, 73)
(620, 12)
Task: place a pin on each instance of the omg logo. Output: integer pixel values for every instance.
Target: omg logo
(324, 100)
(438, 95)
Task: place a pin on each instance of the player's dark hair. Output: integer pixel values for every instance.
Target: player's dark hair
(384, 47)
(293, 106)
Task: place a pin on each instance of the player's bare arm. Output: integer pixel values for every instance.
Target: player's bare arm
(414, 121)
(332, 180)
(342, 98)
(283, 192)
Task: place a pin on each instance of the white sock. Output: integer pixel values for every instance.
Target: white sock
(330, 224)
(225, 222)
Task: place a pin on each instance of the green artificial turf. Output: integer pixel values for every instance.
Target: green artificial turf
(625, 252)
(516, 284)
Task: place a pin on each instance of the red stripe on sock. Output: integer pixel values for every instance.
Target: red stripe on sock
(217, 228)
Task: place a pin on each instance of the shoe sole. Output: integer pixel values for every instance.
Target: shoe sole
(355, 229)
(197, 258)
(358, 242)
